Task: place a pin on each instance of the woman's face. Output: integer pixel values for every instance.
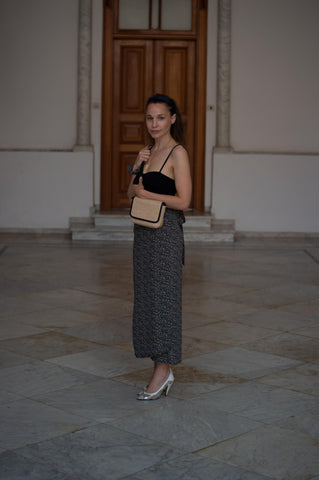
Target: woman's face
(159, 120)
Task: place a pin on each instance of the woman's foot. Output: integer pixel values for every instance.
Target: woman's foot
(165, 386)
(160, 375)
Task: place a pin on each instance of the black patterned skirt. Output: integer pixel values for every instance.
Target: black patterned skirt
(158, 257)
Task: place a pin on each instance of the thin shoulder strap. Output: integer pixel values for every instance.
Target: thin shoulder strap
(169, 156)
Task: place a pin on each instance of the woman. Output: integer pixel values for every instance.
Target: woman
(161, 172)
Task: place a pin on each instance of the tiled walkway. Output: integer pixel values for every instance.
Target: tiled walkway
(245, 402)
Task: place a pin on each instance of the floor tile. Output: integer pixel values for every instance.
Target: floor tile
(119, 289)
(310, 308)
(185, 425)
(193, 291)
(275, 319)
(25, 422)
(102, 401)
(310, 331)
(193, 467)
(279, 295)
(241, 362)
(249, 280)
(106, 332)
(12, 306)
(279, 453)
(16, 329)
(191, 319)
(105, 362)
(258, 402)
(58, 318)
(10, 359)
(8, 397)
(189, 381)
(100, 453)
(304, 378)
(289, 345)
(230, 333)
(40, 377)
(192, 346)
(16, 467)
(305, 423)
(48, 345)
(63, 298)
(215, 308)
(108, 308)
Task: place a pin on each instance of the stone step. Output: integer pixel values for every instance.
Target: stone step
(117, 227)
(123, 220)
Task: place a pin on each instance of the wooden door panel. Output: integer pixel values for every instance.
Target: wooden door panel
(132, 82)
(175, 76)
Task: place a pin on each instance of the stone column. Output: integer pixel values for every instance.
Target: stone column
(83, 141)
(223, 80)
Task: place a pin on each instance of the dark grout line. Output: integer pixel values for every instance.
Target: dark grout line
(315, 259)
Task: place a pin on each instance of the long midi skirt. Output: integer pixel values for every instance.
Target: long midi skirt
(158, 257)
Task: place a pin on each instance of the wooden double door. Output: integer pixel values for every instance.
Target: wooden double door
(141, 68)
(134, 69)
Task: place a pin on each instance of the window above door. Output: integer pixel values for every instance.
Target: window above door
(160, 17)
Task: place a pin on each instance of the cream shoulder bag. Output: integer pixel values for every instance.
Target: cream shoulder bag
(148, 213)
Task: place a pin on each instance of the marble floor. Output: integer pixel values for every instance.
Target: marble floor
(245, 403)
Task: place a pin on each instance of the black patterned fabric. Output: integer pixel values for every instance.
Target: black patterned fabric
(158, 256)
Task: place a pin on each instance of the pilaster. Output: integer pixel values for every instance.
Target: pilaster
(83, 142)
(223, 79)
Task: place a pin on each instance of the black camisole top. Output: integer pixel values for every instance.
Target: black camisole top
(156, 181)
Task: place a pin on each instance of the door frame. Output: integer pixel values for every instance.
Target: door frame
(200, 104)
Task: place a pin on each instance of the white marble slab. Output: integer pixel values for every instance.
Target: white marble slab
(194, 467)
(105, 362)
(279, 295)
(258, 402)
(241, 362)
(216, 308)
(38, 377)
(186, 425)
(11, 359)
(290, 345)
(310, 309)
(304, 378)
(230, 333)
(17, 467)
(26, 421)
(281, 454)
(100, 453)
(106, 332)
(16, 328)
(275, 319)
(102, 401)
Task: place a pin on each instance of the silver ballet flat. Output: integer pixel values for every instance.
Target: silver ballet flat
(163, 388)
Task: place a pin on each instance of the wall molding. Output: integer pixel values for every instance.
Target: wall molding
(229, 150)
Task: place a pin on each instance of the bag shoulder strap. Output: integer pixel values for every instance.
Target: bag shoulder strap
(169, 156)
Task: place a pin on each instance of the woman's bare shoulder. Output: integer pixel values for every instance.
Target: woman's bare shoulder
(180, 153)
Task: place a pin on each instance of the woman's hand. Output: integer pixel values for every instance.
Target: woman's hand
(143, 156)
(137, 190)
